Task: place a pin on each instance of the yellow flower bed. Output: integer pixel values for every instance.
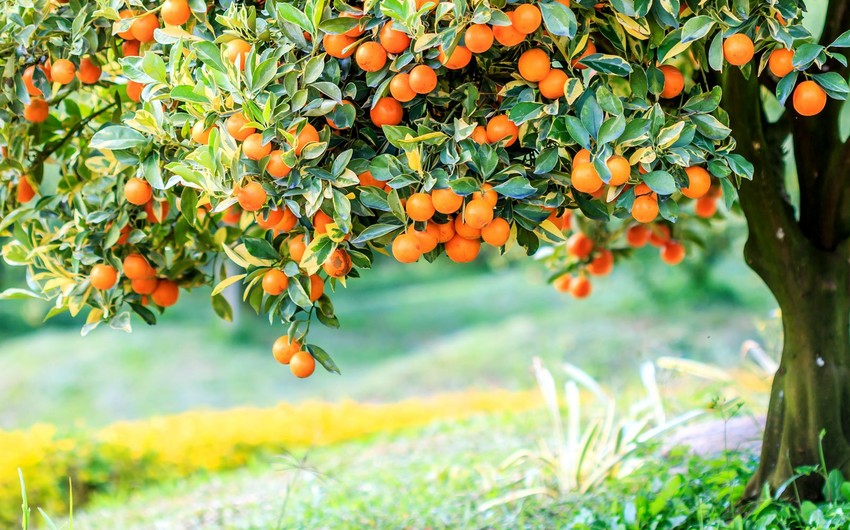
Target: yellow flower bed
(133, 453)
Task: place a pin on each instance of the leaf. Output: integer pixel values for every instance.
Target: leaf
(843, 40)
(523, 112)
(661, 182)
(210, 55)
(293, 15)
(833, 83)
(317, 252)
(154, 67)
(696, 28)
(373, 232)
(607, 64)
(224, 284)
(559, 19)
(19, 294)
(116, 137)
(611, 129)
(805, 55)
(187, 93)
(324, 359)
(260, 248)
(516, 188)
(222, 308)
(710, 127)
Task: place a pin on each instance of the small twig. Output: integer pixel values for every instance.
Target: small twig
(52, 148)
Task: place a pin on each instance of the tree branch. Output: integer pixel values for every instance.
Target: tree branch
(51, 148)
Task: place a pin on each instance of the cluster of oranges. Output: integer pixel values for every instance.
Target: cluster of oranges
(287, 351)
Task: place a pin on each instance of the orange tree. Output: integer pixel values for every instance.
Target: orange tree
(145, 145)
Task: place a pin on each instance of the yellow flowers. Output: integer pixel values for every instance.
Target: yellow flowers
(137, 452)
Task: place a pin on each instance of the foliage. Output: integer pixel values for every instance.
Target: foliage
(275, 65)
(130, 454)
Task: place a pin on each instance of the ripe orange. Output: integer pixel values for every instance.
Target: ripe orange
(602, 264)
(166, 293)
(275, 282)
(645, 208)
(130, 48)
(283, 349)
(103, 277)
(370, 56)
(175, 12)
(620, 170)
(406, 248)
(582, 156)
(674, 81)
(479, 135)
(235, 126)
(89, 72)
(317, 287)
(338, 46)
(338, 264)
(420, 207)
(321, 221)
(478, 213)
(527, 18)
(134, 91)
(809, 99)
(136, 267)
(37, 110)
(287, 222)
(387, 111)
(672, 253)
(32, 90)
(705, 207)
(586, 179)
(423, 79)
(393, 41)
(308, 135)
(297, 247)
(637, 235)
(63, 71)
(446, 200)
(232, 216)
(254, 148)
(137, 191)
(781, 62)
(659, 234)
(445, 231)
(144, 286)
(580, 287)
(497, 232)
(552, 86)
(464, 230)
(462, 250)
(508, 35)
(25, 191)
(128, 34)
(400, 88)
(579, 245)
(357, 30)
(699, 182)
(590, 49)
(500, 128)
(460, 57)
(738, 49)
(367, 179)
(534, 64)
(488, 194)
(144, 26)
(302, 364)
(270, 220)
(428, 238)
(199, 134)
(478, 38)
(237, 52)
(156, 211)
(252, 197)
(562, 283)
(276, 167)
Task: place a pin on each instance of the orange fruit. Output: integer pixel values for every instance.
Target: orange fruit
(400, 88)
(338, 46)
(199, 134)
(420, 207)
(32, 90)
(738, 49)
(165, 294)
(645, 209)
(370, 56)
(275, 282)
(89, 72)
(602, 264)
(236, 51)
(562, 283)
(236, 128)
(423, 79)
(128, 34)
(144, 285)
(527, 18)
(283, 349)
(508, 35)
(478, 213)
(705, 207)
(175, 12)
(446, 200)
(130, 48)
(579, 245)
(136, 267)
(464, 230)
(287, 221)
(302, 364)
(479, 135)
(276, 167)
(157, 214)
(25, 191)
(393, 41)
(331, 122)
(699, 182)
(674, 81)
(134, 91)
(478, 38)
(321, 221)
(252, 197)
(586, 179)
(387, 111)
(488, 194)
(406, 248)
(137, 191)
(36, 111)
(500, 128)
(672, 253)
(620, 170)
(254, 148)
(637, 235)
(580, 287)
(428, 238)
(103, 277)
(659, 234)
(462, 250)
(497, 232)
(338, 264)
(366, 179)
(809, 99)
(460, 57)
(534, 64)
(144, 26)
(232, 216)
(308, 135)
(63, 71)
(582, 156)
(297, 247)
(445, 231)
(357, 30)
(590, 49)
(552, 86)
(317, 287)
(781, 62)
(270, 220)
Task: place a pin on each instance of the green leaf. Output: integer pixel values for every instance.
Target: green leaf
(834, 84)
(324, 359)
(116, 137)
(611, 129)
(210, 55)
(222, 308)
(559, 19)
(375, 231)
(710, 127)
(260, 248)
(293, 15)
(154, 67)
(805, 55)
(843, 40)
(187, 93)
(705, 102)
(516, 188)
(608, 64)
(523, 112)
(696, 28)
(661, 182)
